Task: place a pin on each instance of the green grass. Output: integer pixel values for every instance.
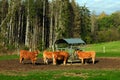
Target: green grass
(62, 75)
(108, 49)
(8, 57)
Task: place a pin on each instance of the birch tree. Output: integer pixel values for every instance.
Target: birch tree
(51, 24)
(43, 29)
(3, 13)
(7, 23)
(27, 25)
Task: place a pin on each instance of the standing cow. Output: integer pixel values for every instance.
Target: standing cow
(24, 54)
(86, 55)
(60, 55)
(47, 55)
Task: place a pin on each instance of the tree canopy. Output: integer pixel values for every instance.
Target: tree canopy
(38, 23)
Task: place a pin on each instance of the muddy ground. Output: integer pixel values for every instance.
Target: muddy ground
(101, 63)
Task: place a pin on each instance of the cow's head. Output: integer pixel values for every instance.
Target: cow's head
(77, 51)
(36, 52)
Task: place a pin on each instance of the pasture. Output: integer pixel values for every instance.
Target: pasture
(108, 49)
(107, 66)
(61, 75)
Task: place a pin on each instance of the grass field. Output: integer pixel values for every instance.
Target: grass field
(109, 49)
(62, 75)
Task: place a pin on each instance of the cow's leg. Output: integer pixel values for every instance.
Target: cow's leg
(21, 60)
(34, 60)
(82, 60)
(44, 59)
(93, 60)
(64, 62)
(54, 61)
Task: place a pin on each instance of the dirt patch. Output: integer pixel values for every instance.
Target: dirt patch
(101, 63)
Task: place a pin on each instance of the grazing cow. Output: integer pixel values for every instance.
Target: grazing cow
(60, 55)
(24, 54)
(86, 55)
(47, 55)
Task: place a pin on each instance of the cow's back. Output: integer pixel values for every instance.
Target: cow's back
(60, 54)
(65, 54)
(47, 54)
(25, 54)
(93, 53)
(87, 54)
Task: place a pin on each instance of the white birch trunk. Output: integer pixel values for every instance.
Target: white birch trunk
(27, 27)
(51, 28)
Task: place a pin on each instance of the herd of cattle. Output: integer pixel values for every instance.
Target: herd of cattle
(56, 55)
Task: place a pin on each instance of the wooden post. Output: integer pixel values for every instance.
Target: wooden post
(103, 49)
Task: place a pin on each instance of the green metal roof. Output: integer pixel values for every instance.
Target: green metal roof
(70, 41)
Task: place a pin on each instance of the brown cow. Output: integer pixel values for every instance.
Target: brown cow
(24, 54)
(60, 55)
(86, 55)
(47, 55)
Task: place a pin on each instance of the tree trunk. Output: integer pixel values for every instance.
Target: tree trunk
(43, 29)
(51, 27)
(27, 27)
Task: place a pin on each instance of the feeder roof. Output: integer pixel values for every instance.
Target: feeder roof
(70, 41)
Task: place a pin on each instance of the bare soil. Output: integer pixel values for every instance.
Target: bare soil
(101, 63)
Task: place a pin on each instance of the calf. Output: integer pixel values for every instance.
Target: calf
(24, 54)
(86, 55)
(60, 55)
(47, 55)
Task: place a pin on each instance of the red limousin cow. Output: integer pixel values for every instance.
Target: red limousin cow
(24, 54)
(86, 55)
(47, 55)
(60, 55)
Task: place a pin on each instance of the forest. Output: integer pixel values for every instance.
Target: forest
(37, 24)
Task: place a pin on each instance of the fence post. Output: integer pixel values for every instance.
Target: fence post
(103, 49)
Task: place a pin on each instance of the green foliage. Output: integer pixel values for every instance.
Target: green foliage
(108, 28)
(65, 18)
(68, 20)
(111, 34)
(26, 48)
(85, 22)
(32, 9)
(105, 22)
(11, 47)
